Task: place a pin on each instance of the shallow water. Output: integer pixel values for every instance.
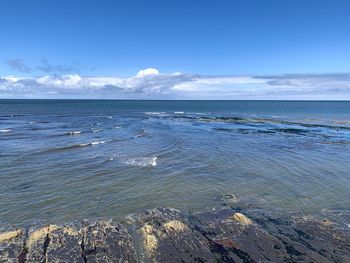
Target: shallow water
(63, 161)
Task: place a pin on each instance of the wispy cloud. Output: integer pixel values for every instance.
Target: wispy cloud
(150, 83)
(18, 64)
(49, 68)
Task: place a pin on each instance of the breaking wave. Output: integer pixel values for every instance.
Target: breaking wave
(73, 133)
(142, 161)
(92, 143)
(70, 147)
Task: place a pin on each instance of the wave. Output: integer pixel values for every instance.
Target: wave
(154, 112)
(157, 114)
(70, 147)
(97, 130)
(142, 161)
(92, 143)
(13, 115)
(101, 116)
(5, 130)
(74, 132)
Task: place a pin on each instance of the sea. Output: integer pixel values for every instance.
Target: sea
(67, 160)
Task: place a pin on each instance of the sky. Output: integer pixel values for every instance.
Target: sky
(193, 49)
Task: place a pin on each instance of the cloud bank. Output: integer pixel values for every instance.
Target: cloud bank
(151, 84)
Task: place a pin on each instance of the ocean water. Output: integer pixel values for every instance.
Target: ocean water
(66, 160)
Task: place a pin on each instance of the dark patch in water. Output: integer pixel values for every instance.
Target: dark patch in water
(239, 130)
(12, 115)
(340, 142)
(240, 120)
(265, 131)
(22, 186)
(244, 130)
(291, 130)
(225, 119)
(224, 129)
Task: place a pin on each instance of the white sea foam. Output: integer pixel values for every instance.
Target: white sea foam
(157, 113)
(98, 142)
(154, 113)
(92, 143)
(115, 156)
(179, 112)
(97, 130)
(143, 161)
(5, 130)
(140, 134)
(74, 132)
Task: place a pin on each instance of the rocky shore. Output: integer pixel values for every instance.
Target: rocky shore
(167, 235)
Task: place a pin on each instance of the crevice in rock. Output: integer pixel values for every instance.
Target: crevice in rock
(45, 246)
(291, 251)
(22, 257)
(83, 251)
(136, 240)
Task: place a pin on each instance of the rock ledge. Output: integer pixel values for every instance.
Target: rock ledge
(169, 235)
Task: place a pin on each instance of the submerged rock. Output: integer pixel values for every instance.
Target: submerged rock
(169, 235)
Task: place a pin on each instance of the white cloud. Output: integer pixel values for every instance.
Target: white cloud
(70, 81)
(150, 83)
(215, 83)
(147, 72)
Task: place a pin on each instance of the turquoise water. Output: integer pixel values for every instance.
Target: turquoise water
(63, 161)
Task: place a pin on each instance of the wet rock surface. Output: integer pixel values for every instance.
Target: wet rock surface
(167, 235)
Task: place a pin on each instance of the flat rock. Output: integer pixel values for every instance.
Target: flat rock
(168, 236)
(102, 241)
(229, 235)
(223, 234)
(105, 241)
(307, 238)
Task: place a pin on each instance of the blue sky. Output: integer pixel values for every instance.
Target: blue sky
(198, 49)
